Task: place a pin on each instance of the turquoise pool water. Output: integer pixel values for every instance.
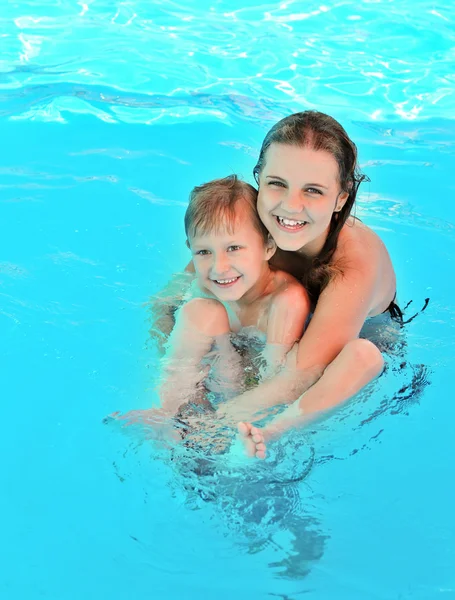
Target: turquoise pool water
(109, 114)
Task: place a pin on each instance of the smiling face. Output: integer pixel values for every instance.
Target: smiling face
(299, 191)
(232, 259)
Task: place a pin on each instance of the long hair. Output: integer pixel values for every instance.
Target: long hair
(319, 131)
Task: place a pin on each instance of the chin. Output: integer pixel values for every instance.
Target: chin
(227, 298)
(289, 245)
(228, 295)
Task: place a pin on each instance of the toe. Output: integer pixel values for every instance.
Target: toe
(243, 429)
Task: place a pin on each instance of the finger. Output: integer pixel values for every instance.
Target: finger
(111, 417)
(260, 447)
(260, 454)
(258, 438)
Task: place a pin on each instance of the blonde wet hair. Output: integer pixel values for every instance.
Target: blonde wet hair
(212, 206)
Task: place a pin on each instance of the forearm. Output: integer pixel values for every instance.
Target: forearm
(182, 372)
(311, 406)
(178, 386)
(272, 359)
(357, 365)
(283, 388)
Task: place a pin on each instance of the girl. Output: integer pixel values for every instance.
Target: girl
(308, 179)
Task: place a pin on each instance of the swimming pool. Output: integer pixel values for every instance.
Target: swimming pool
(110, 113)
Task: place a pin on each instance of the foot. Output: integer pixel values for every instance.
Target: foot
(252, 439)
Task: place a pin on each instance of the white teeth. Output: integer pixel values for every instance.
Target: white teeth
(224, 281)
(290, 222)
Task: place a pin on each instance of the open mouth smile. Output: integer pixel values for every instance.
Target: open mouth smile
(290, 224)
(224, 283)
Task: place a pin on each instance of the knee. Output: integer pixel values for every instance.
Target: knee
(206, 314)
(366, 355)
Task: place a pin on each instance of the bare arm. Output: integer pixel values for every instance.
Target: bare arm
(286, 321)
(164, 304)
(339, 315)
(357, 364)
(199, 322)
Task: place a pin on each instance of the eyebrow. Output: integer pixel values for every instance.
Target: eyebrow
(233, 242)
(307, 184)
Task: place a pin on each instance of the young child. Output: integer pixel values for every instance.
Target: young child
(235, 288)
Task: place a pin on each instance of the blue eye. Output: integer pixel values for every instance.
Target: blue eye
(201, 252)
(233, 248)
(276, 183)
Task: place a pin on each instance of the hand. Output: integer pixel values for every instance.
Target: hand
(155, 421)
(253, 440)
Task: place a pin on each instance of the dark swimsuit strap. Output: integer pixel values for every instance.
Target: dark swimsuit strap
(395, 311)
(397, 314)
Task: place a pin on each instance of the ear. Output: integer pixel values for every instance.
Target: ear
(270, 248)
(341, 201)
(187, 244)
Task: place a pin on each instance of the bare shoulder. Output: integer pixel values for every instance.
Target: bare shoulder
(361, 254)
(359, 242)
(289, 291)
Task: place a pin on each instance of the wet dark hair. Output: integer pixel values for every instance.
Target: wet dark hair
(318, 131)
(212, 206)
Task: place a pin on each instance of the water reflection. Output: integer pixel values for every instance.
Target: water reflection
(270, 507)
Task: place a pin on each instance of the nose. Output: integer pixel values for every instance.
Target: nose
(293, 202)
(220, 264)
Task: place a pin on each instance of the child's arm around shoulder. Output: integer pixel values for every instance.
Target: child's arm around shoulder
(288, 313)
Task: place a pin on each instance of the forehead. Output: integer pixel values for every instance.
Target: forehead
(239, 223)
(302, 163)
